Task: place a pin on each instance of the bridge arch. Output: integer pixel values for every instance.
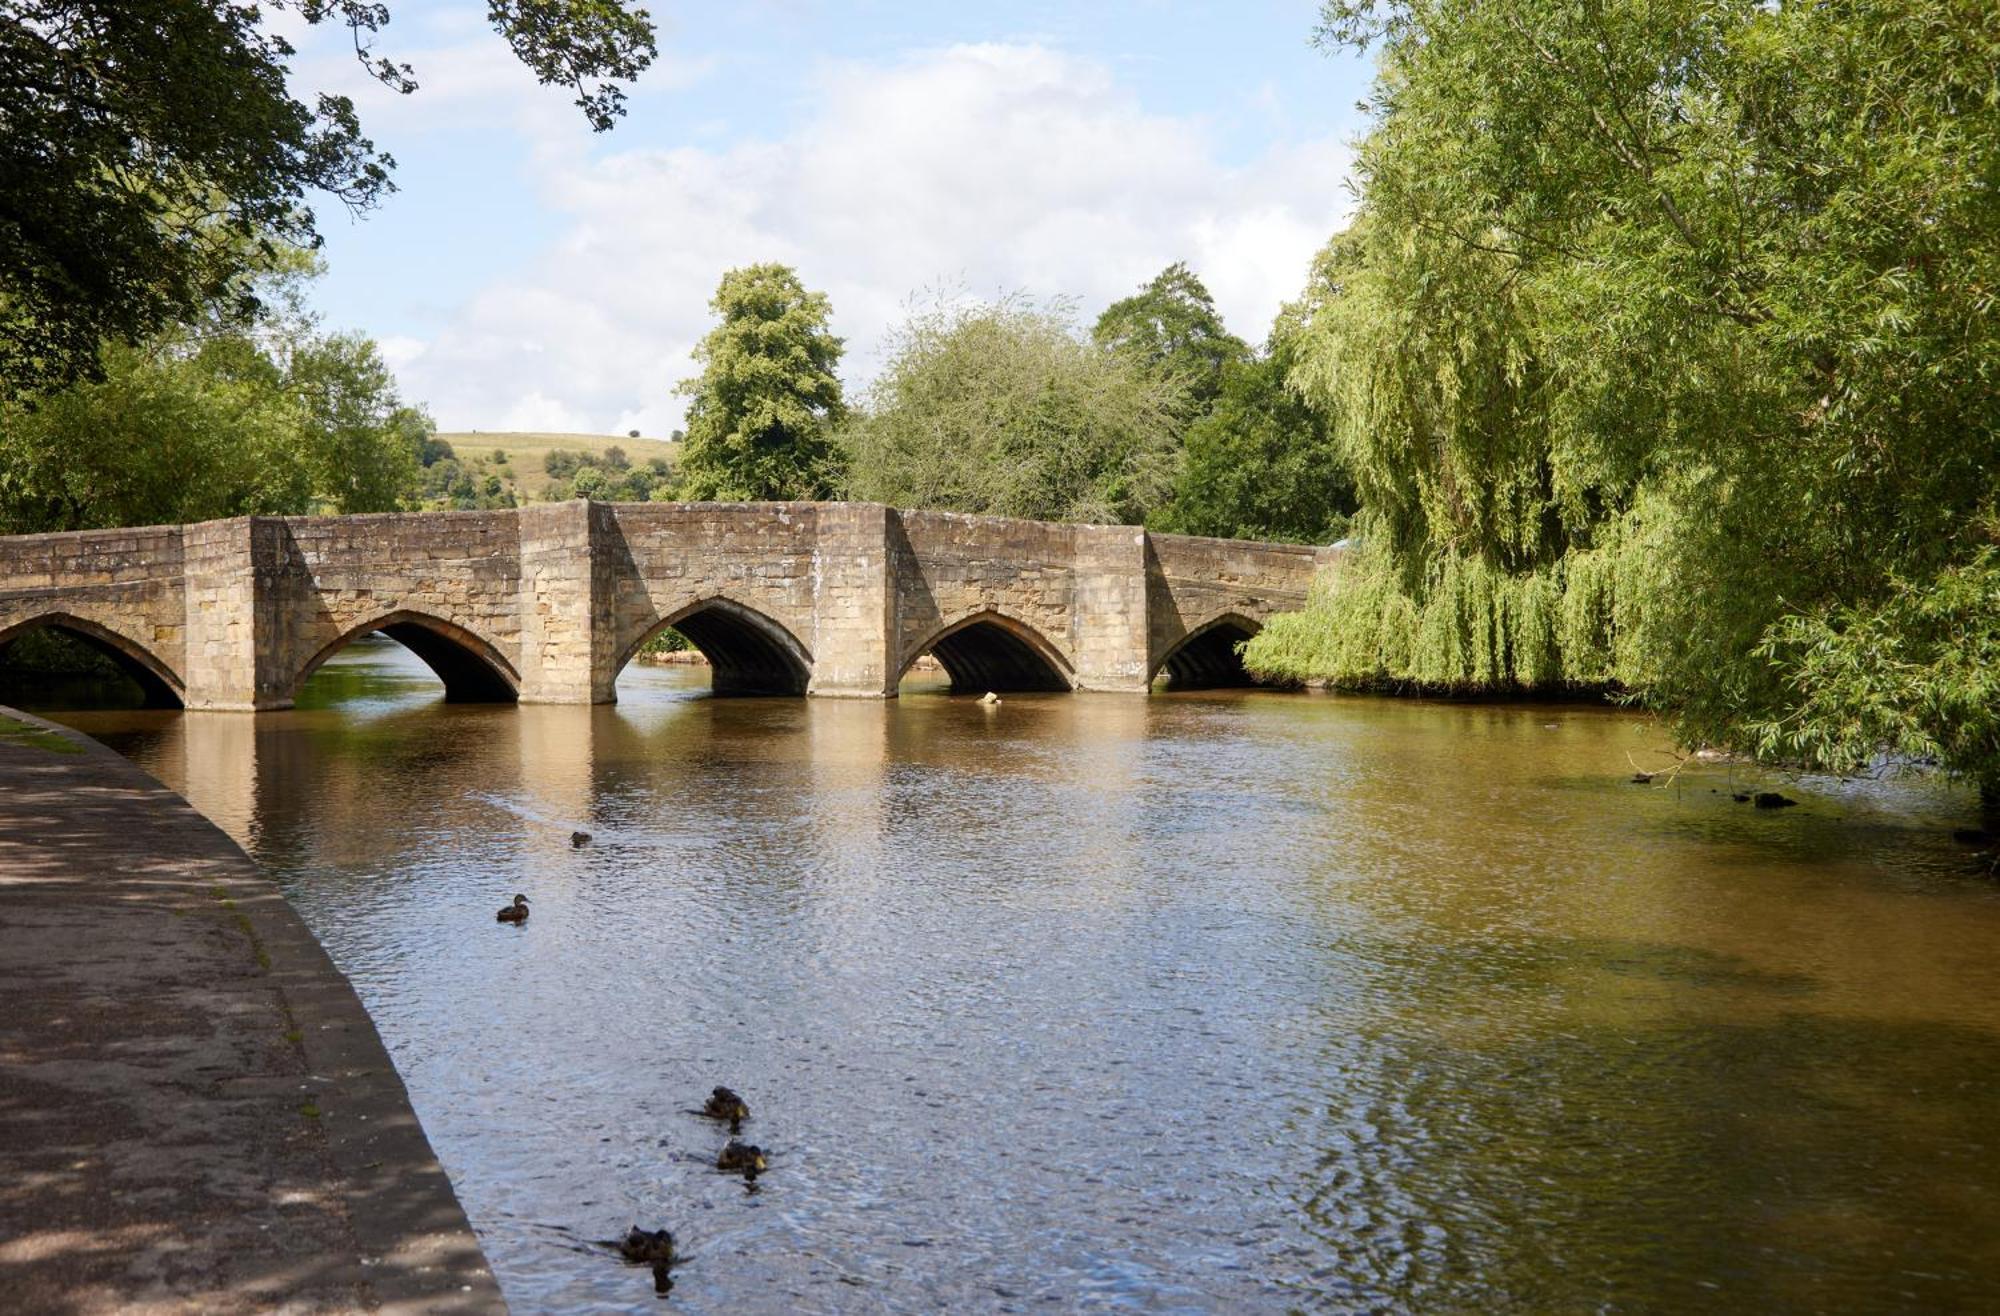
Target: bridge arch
(748, 652)
(1206, 657)
(473, 671)
(161, 684)
(989, 650)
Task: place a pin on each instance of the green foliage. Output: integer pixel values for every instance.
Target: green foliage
(1002, 408)
(1919, 670)
(447, 482)
(767, 400)
(195, 425)
(608, 477)
(154, 154)
(1685, 309)
(666, 640)
(363, 443)
(1261, 464)
(1171, 326)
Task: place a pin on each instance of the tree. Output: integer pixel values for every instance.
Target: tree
(154, 152)
(1661, 351)
(362, 444)
(212, 421)
(765, 405)
(1261, 464)
(1171, 325)
(1003, 408)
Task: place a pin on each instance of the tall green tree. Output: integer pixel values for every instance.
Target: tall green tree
(1171, 325)
(150, 148)
(763, 410)
(363, 446)
(1261, 463)
(1662, 351)
(1004, 408)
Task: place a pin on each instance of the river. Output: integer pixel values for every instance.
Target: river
(1242, 1000)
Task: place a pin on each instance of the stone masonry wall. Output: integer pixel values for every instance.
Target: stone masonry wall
(1193, 581)
(947, 566)
(324, 579)
(123, 585)
(555, 598)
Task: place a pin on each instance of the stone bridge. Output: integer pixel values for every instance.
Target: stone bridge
(547, 603)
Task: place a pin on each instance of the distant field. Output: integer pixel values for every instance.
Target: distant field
(525, 452)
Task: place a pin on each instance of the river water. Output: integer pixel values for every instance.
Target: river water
(1246, 1001)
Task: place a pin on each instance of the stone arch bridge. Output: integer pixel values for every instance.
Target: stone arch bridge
(547, 603)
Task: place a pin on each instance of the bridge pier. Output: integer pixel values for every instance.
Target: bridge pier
(547, 603)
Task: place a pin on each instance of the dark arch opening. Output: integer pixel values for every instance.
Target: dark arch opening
(992, 653)
(1210, 658)
(471, 671)
(47, 680)
(748, 653)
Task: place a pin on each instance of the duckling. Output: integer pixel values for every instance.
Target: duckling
(741, 1158)
(726, 1105)
(514, 913)
(577, 840)
(648, 1246)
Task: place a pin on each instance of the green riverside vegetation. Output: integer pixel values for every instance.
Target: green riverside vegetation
(1662, 353)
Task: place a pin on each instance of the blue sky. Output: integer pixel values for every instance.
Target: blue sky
(529, 274)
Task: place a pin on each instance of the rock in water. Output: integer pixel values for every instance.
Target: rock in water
(1773, 800)
(989, 698)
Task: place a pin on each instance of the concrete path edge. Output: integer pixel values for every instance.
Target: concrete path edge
(418, 1252)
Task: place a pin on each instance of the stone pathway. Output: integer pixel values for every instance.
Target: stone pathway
(195, 1112)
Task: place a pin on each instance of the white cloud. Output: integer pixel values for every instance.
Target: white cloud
(999, 166)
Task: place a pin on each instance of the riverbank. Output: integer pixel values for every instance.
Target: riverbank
(196, 1113)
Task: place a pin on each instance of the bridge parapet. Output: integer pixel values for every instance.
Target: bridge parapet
(547, 603)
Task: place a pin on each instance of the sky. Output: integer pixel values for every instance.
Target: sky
(531, 275)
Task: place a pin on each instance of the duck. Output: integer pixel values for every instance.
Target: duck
(726, 1105)
(577, 840)
(514, 913)
(741, 1158)
(648, 1246)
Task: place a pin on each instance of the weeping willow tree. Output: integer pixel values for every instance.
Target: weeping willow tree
(1663, 355)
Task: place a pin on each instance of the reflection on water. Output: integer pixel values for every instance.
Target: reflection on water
(1197, 1002)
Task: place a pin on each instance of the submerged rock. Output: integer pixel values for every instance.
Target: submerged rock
(1773, 800)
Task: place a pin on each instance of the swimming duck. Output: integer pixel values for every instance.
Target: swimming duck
(514, 913)
(577, 840)
(654, 1246)
(726, 1105)
(741, 1158)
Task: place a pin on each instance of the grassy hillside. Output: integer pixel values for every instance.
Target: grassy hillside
(523, 472)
